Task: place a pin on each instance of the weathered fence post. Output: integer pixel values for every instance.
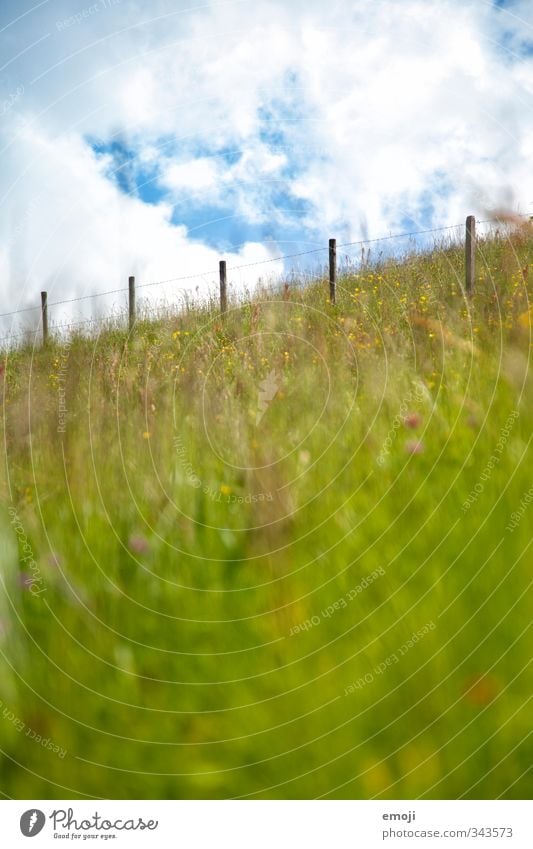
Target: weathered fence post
(223, 287)
(470, 254)
(131, 282)
(44, 315)
(332, 269)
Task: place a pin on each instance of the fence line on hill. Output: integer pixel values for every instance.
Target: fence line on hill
(333, 247)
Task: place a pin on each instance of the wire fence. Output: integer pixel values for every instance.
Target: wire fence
(360, 243)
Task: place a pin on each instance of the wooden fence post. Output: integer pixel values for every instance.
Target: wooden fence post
(332, 269)
(223, 287)
(44, 315)
(470, 254)
(131, 282)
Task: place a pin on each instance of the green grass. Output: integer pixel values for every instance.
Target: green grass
(181, 545)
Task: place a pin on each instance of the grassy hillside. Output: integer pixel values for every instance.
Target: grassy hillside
(276, 556)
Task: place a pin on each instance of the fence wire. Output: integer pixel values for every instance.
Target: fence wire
(234, 268)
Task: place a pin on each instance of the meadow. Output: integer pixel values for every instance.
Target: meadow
(280, 554)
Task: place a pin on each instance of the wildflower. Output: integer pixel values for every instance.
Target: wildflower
(479, 690)
(225, 489)
(138, 544)
(414, 447)
(54, 560)
(146, 434)
(412, 420)
(524, 319)
(25, 580)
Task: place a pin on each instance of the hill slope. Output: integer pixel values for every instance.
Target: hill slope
(280, 555)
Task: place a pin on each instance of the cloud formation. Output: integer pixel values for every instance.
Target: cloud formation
(298, 121)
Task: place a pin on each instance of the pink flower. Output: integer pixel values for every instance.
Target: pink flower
(25, 580)
(414, 447)
(412, 420)
(138, 544)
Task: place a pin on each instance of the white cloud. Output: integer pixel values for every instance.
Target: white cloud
(194, 176)
(73, 232)
(243, 186)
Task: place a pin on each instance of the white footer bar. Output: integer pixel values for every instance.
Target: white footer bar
(267, 824)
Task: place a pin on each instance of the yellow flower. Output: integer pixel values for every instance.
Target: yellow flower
(525, 319)
(146, 434)
(225, 489)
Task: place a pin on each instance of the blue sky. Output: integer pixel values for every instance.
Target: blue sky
(155, 138)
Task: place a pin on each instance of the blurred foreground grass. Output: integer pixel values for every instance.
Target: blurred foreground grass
(219, 538)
